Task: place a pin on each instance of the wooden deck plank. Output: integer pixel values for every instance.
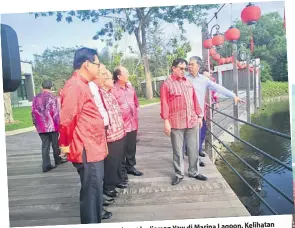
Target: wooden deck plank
(52, 198)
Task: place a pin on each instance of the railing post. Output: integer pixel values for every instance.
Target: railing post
(236, 91)
(255, 89)
(259, 88)
(248, 87)
(209, 136)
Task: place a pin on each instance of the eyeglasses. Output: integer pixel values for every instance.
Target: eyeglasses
(97, 64)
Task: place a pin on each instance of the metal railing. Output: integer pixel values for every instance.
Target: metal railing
(210, 142)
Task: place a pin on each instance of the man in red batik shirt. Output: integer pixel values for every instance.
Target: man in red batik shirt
(180, 110)
(128, 102)
(82, 134)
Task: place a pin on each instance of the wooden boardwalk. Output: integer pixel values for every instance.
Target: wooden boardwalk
(37, 199)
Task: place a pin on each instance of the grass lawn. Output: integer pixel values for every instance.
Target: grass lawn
(144, 101)
(22, 115)
(22, 118)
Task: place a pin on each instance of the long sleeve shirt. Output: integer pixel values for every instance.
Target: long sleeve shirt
(201, 83)
(179, 103)
(97, 99)
(81, 125)
(45, 112)
(128, 102)
(116, 130)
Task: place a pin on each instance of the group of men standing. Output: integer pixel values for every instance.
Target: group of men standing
(95, 125)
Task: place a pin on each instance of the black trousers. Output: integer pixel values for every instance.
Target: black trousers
(47, 139)
(91, 193)
(112, 164)
(128, 160)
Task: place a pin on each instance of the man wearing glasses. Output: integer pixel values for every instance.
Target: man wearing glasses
(201, 84)
(180, 111)
(82, 134)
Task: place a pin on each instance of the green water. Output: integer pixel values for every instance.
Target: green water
(273, 116)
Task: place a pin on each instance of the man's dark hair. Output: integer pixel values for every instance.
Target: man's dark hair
(46, 84)
(178, 61)
(82, 55)
(116, 73)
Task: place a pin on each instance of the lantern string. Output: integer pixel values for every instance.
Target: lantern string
(231, 14)
(215, 16)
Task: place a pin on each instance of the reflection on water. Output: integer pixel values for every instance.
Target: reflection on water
(274, 116)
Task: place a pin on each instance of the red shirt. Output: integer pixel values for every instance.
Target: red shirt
(128, 103)
(81, 125)
(179, 103)
(116, 130)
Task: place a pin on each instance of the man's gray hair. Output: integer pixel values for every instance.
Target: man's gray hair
(197, 59)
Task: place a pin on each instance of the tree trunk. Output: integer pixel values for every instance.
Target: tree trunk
(7, 108)
(148, 79)
(141, 42)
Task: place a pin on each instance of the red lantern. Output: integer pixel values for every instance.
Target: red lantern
(221, 61)
(218, 39)
(208, 44)
(240, 66)
(212, 52)
(251, 14)
(251, 69)
(228, 60)
(216, 57)
(232, 34)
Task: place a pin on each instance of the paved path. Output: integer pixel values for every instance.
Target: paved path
(37, 199)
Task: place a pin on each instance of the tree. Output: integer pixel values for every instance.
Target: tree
(54, 64)
(269, 42)
(135, 21)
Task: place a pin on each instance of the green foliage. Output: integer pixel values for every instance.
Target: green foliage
(22, 117)
(269, 43)
(265, 71)
(53, 64)
(272, 89)
(280, 71)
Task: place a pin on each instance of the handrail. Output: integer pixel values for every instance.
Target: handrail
(249, 166)
(254, 125)
(242, 178)
(254, 147)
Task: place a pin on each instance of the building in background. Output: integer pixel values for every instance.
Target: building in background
(24, 95)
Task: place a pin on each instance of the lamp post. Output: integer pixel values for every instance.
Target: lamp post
(245, 56)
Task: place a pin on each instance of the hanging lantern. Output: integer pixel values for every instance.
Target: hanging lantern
(250, 14)
(221, 61)
(216, 57)
(218, 39)
(239, 65)
(208, 43)
(251, 69)
(232, 34)
(212, 52)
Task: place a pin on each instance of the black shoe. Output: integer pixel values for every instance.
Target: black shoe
(202, 154)
(122, 185)
(202, 164)
(62, 161)
(106, 214)
(200, 177)
(107, 202)
(176, 180)
(111, 193)
(134, 172)
(49, 168)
